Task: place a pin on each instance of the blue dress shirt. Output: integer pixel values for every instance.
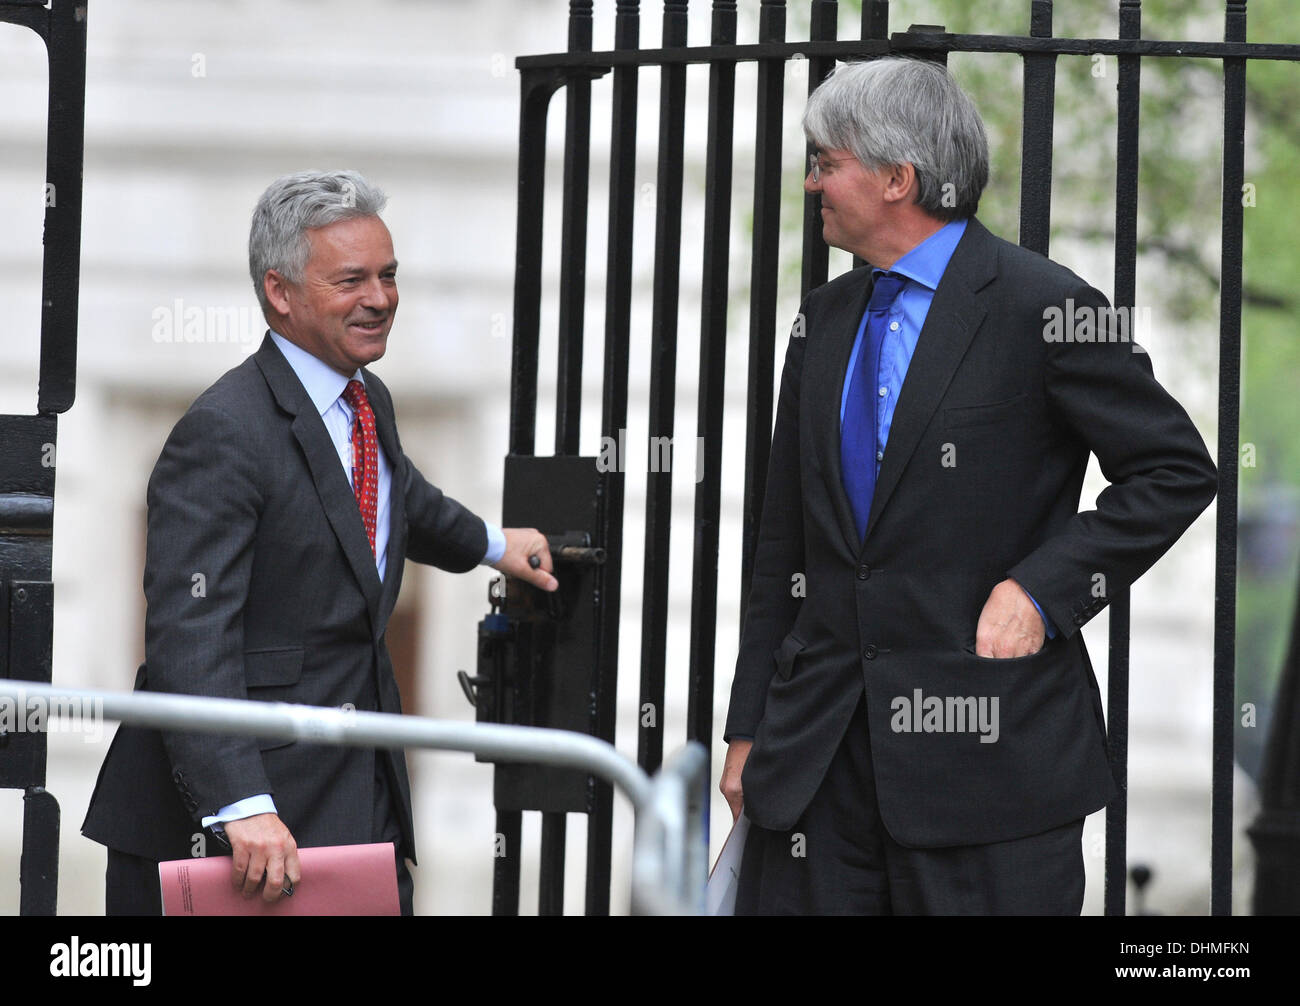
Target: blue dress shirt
(923, 267)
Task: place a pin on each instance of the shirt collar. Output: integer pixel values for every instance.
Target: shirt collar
(324, 384)
(925, 264)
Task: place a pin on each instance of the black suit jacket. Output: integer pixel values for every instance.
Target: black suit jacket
(980, 481)
(261, 584)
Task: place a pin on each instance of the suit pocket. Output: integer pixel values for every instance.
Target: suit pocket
(1010, 661)
(273, 675)
(277, 666)
(983, 415)
(785, 655)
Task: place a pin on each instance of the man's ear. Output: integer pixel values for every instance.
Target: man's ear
(900, 183)
(276, 288)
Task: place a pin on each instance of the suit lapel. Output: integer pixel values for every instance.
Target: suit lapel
(954, 317)
(336, 496)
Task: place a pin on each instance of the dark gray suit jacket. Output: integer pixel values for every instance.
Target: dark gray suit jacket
(980, 481)
(261, 584)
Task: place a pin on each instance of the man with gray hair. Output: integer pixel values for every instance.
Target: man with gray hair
(281, 512)
(914, 726)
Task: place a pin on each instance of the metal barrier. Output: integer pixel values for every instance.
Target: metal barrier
(670, 857)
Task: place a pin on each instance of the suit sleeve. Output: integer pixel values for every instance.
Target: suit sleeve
(203, 502)
(778, 556)
(440, 531)
(1160, 473)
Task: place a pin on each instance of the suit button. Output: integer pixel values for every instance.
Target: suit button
(864, 572)
(870, 651)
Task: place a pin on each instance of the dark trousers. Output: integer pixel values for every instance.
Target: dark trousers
(132, 887)
(838, 859)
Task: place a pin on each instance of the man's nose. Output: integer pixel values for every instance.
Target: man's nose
(810, 185)
(375, 294)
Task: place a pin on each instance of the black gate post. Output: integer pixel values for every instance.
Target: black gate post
(1225, 573)
(764, 270)
(28, 444)
(613, 423)
(816, 253)
(713, 362)
(1117, 665)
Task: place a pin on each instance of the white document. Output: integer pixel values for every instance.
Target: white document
(720, 897)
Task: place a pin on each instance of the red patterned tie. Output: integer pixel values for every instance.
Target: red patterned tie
(365, 456)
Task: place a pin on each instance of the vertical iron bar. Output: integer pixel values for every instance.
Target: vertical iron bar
(1117, 673)
(568, 364)
(763, 276)
(663, 377)
(816, 254)
(875, 25)
(1036, 153)
(28, 442)
(28, 655)
(536, 88)
(573, 241)
(61, 266)
(713, 367)
(875, 19)
(1225, 567)
(505, 864)
(618, 318)
(550, 885)
(38, 865)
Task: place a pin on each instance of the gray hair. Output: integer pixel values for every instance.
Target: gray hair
(896, 110)
(295, 204)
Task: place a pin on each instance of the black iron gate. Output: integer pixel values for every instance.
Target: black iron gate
(594, 658)
(28, 443)
(559, 661)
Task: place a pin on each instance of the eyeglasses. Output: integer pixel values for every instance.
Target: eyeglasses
(816, 164)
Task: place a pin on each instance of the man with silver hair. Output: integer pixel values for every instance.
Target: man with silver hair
(281, 512)
(914, 726)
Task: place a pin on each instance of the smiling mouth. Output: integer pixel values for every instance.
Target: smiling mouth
(369, 326)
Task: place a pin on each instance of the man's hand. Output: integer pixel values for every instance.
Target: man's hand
(262, 849)
(521, 545)
(737, 752)
(1010, 625)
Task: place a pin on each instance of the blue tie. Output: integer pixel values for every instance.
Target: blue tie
(858, 437)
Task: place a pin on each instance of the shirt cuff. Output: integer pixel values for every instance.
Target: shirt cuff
(496, 546)
(1047, 622)
(240, 809)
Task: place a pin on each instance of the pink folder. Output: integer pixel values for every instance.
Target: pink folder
(336, 880)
